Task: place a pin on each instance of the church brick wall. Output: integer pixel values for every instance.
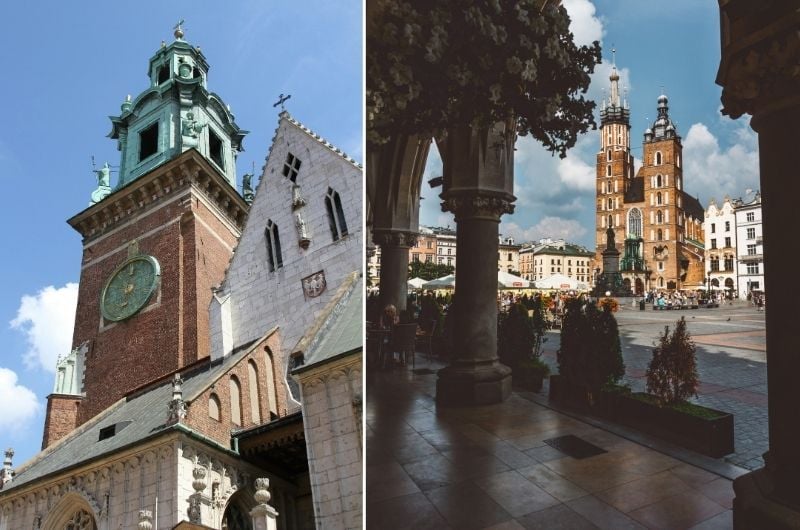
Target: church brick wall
(60, 418)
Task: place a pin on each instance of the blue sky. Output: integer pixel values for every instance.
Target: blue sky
(671, 44)
(65, 70)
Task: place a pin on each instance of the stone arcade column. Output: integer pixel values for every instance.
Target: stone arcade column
(758, 73)
(478, 184)
(394, 180)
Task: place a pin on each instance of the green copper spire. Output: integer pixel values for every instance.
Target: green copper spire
(176, 113)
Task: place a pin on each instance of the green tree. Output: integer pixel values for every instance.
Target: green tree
(672, 372)
(428, 270)
(434, 64)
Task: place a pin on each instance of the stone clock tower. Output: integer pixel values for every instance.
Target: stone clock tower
(155, 244)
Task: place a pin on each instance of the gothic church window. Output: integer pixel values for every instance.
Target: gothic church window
(608, 155)
(608, 170)
(236, 401)
(635, 222)
(659, 235)
(333, 204)
(658, 198)
(291, 167)
(658, 159)
(252, 383)
(658, 181)
(213, 407)
(610, 222)
(148, 141)
(273, 246)
(659, 217)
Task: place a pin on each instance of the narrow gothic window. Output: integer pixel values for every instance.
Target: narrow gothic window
(236, 401)
(291, 167)
(658, 159)
(610, 222)
(658, 181)
(273, 246)
(659, 217)
(660, 235)
(213, 407)
(658, 198)
(148, 141)
(338, 225)
(608, 170)
(608, 155)
(252, 383)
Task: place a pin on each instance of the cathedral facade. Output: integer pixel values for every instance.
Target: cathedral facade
(657, 226)
(194, 397)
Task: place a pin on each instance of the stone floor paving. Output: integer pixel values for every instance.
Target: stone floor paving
(489, 468)
(731, 362)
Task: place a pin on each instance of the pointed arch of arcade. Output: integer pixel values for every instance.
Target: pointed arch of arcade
(236, 515)
(72, 512)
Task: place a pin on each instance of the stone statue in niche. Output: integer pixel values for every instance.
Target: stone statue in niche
(302, 231)
(191, 126)
(314, 285)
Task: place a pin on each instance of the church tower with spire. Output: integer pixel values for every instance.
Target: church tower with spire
(614, 166)
(154, 243)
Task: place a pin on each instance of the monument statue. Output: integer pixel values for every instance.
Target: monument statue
(610, 238)
(103, 184)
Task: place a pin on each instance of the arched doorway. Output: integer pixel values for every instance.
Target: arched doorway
(72, 512)
(237, 513)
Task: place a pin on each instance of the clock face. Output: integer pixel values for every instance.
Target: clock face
(129, 287)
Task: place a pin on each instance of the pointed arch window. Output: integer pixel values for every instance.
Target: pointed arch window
(658, 158)
(336, 220)
(610, 222)
(269, 377)
(273, 246)
(658, 181)
(658, 198)
(236, 401)
(659, 217)
(252, 383)
(608, 170)
(608, 155)
(213, 407)
(635, 222)
(659, 235)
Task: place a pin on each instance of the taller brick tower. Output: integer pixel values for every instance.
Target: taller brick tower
(155, 245)
(614, 167)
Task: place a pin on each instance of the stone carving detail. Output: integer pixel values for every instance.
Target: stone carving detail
(394, 238)
(303, 238)
(199, 482)
(177, 406)
(81, 520)
(765, 72)
(297, 198)
(314, 285)
(247, 188)
(145, 520)
(262, 495)
(477, 206)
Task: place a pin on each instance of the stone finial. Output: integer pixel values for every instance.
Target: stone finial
(7, 473)
(262, 495)
(264, 516)
(177, 406)
(145, 520)
(199, 482)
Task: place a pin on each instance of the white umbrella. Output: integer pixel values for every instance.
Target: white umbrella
(416, 283)
(445, 282)
(507, 280)
(557, 281)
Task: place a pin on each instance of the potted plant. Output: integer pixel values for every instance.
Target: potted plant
(519, 345)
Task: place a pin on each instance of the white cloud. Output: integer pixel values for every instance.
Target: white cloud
(21, 403)
(552, 227)
(715, 171)
(585, 26)
(47, 319)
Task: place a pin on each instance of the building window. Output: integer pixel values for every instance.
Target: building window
(728, 263)
(450, 262)
(658, 160)
(430, 244)
(608, 170)
(252, 383)
(751, 233)
(440, 250)
(148, 142)
(236, 401)
(635, 222)
(608, 155)
(658, 181)
(751, 250)
(751, 216)
(713, 243)
(215, 148)
(610, 222)
(428, 258)
(213, 407)
(727, 226)
(727, 242)
(333, 203)
(415, 256)
(659, 215)
(713, 228)
(658, 198)
(449, 251)
(714, 264)
(291, 167)
(752, 268)
(163, 73)
(659, 235)
(274, 253)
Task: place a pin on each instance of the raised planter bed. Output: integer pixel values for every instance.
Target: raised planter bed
(711, 435)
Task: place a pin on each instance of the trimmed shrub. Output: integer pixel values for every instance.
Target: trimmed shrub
(672, 372)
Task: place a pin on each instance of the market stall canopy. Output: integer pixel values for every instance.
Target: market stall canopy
(506, 280)
(557, 281)
(416, 283)
(445, 282)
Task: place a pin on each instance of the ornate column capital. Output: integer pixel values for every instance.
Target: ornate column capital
(759, 70)
(394, 238)
(478, 205)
